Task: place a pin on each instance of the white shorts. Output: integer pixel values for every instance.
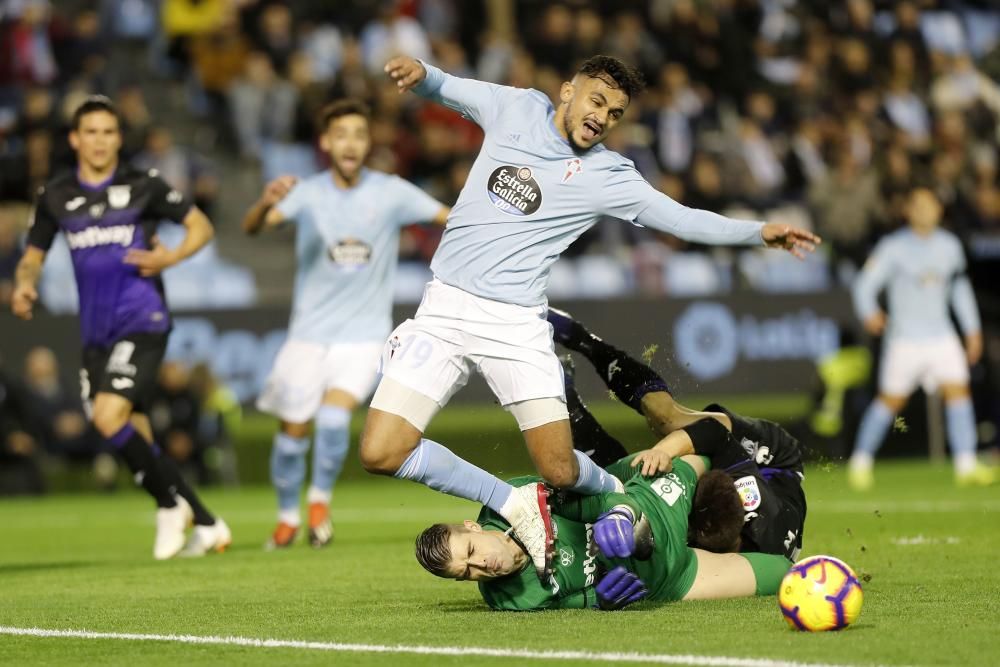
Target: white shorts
(303, 372)
(454, 332)
(908, 364)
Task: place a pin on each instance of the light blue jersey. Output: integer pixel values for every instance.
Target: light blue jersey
(347, 247)
(923, 274)
(529, 195)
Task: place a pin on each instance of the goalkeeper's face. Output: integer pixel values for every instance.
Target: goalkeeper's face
(347, 141)
(481, 555)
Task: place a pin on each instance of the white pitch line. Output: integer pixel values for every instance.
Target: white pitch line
(465, 651)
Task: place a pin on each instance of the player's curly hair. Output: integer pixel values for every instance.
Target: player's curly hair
(343, 107)
(433, 549)
(624, 77)
(716, 514)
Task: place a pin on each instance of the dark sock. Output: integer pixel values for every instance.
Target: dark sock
(202, 517)
(588, 435)
(144, 465)
(629, 379)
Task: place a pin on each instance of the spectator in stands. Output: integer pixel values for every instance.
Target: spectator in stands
(846, 204)
(276, 36)
(262, 105)
(58, 413)
(186, 20)
(175, 415)
(392, 33)
(184, 169)
(221, 417)
(19, 468)
(29, 44)
(218, 59)
(10, 252)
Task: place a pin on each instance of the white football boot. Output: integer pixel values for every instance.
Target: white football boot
(527, 511)
(171, 523)
(216, 537)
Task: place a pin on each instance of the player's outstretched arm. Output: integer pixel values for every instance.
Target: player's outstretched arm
(795, 240)
(26, 276)
(479, 101)
(159, 258)
(406, 72)
(627, 195)
(263, 212)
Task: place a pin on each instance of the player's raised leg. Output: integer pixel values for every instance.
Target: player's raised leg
(633, 382)
(393, 444)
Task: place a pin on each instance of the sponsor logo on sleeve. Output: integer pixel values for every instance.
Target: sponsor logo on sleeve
(514, 190)
(749, 492)
(174, 197)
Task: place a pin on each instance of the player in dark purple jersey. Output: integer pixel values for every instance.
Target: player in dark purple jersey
(108, 212)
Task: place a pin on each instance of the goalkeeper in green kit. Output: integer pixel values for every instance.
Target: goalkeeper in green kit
(611, 549)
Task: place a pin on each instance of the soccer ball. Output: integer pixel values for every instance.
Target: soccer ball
(820, 593)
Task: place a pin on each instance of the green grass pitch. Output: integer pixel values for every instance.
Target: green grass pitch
(927, 552)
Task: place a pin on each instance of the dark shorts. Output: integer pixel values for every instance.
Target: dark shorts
(129, 368)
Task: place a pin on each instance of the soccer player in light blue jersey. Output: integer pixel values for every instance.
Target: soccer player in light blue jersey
(922, 267)
(347, 245)
(542, 178)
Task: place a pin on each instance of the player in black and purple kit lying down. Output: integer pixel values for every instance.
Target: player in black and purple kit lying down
(109, 212)
(763, 460)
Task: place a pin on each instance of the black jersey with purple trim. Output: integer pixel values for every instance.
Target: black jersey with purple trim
(102, 223)
(765, 462)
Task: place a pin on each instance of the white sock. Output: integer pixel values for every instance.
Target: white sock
(861, 461)
(314, 495)
(965, 462)
(291, 517)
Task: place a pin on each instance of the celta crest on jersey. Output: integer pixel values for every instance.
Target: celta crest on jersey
(351, 254)
(92, 237)
(573, 167)
(514, 190)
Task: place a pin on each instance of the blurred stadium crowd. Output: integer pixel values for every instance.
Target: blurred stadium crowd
(816, 112)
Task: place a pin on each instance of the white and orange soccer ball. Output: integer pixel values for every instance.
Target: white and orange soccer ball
(820, 593)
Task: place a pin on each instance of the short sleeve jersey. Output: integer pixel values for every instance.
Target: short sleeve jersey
(101, 224)
(347, 248)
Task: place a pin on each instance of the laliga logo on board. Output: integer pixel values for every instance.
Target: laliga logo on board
(514, 190)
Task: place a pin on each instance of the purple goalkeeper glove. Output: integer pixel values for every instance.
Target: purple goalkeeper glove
(619, 588)
(613, 532)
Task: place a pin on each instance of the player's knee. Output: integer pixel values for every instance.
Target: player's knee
(110, 416)
(378, 459)
(295, 430)
(561, 476)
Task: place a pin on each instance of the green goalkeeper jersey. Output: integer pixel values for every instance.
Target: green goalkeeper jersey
(578, 563)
